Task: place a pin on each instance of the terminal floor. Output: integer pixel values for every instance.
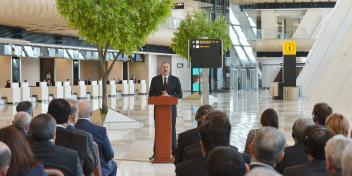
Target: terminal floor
(133, 146)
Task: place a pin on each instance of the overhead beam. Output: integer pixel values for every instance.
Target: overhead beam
(287, 5)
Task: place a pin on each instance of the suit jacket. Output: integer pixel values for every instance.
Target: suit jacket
(78, 143)
(185, 139)
(173, 89)
(100, 136)
(92, 153)
(315, 167)
(57, 157)
(294, 155)
(194, 167)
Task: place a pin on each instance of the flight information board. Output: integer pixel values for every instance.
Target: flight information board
(205, 53)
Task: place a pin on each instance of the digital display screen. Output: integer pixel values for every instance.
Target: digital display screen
(197, 79)
(205, 53)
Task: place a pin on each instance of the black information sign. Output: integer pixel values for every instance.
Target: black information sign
(205, 53)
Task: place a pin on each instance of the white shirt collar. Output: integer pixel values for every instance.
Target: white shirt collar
(84, 119)
(59, 125)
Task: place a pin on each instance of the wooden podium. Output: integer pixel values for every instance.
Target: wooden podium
(163, 125)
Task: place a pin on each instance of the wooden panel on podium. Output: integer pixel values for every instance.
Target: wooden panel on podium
(163, 125)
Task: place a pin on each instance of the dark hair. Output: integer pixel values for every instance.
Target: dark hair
(299, 129)
(42, 127)
(215, 131)
(315, 142)
(203, 110)
(269, 118)
(22, 157)
(60, 109)
(320, 112)
(25, 106)
(225, 161)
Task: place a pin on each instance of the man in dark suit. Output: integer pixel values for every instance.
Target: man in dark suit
(314, 146)
(106, 153)
(60, 109)
(167, 85)
(295, 154)
(191, 136)
(41, 139)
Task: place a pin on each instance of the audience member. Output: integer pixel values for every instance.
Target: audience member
(267, 148)
(106, 153)
(21, 122)
(315, 142)
(191, 136)
(22, 160)
(333, 154)
(346, 161)
(72, 121)
(42, 137)
(60, 109)
(214, 131)
(295, 154)
(262, 171)
(226, 161)
(25, 106)
(337, 124)
(5, 158)
(268, 118)
(320, 112)
(8, 84)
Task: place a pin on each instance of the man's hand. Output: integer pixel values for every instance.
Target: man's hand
(164, 93)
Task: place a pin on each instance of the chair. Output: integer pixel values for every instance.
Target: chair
(97, 171)
(53, 172)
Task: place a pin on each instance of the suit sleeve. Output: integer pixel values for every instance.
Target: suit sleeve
(108, 152)
(152, 89)
(178, 151)
(178, 90)
(79, 171)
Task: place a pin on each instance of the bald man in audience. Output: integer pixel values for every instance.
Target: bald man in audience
(21, 121)
(5, 158)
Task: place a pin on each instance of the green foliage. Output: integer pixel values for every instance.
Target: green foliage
(123, 25)
(196, 26)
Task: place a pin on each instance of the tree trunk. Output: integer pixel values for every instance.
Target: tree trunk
(104, 78)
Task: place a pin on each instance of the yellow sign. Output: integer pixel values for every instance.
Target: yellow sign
(289, 48)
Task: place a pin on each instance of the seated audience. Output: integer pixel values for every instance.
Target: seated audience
(42, 136)
(346, 161)
(333, 154)
(70, 126)
(60, 109)
(191, 136)
(226, 161)
(337, 124)
(5, 158)
(295, 154)
(268, 118)
(267, 148)
(22, 160)
(21, 122)
(25, 106)
(214, 131)
(100, 136)
(315, 142)
(320, 112)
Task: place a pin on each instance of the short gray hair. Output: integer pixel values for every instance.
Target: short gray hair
(73, 105)
(262, 171)
(21, 119)
(5, 155)
(43, 127)
(268, 144)
(346, 160)
(334, 149)
(85, 109)
(299, 128)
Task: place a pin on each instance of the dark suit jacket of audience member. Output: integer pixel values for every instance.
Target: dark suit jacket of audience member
(57, 157)
(78, 143)
(294, 155)
(100, 136)
(185, 139)
(194, 167)
(91, 151)
(315, 167)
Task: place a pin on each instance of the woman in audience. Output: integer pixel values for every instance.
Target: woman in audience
(268, 118)
(22, 162)
(337, 124)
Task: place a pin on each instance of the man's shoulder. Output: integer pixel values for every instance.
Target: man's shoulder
(187, 167)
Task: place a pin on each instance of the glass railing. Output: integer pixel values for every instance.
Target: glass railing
(171, 23)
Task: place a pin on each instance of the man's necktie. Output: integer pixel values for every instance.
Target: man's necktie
(165, 84)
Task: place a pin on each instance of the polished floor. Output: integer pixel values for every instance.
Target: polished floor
(133, 143)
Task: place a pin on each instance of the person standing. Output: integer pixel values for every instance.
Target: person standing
(167, 85)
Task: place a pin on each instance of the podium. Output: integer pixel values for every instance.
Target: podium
(163, 125)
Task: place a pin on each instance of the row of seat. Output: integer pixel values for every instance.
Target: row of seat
(24, 92)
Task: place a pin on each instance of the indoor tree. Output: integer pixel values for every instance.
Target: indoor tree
(123, 25)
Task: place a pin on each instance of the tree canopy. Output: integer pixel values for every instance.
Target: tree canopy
(196, 26)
